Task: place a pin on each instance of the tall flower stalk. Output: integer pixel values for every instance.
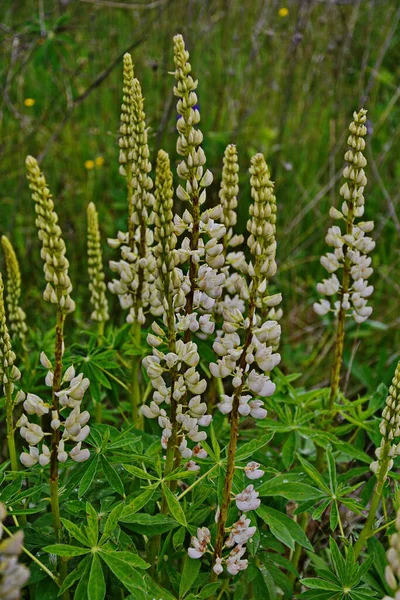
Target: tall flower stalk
(97, 286)
(350, 252)
(16, 315)
(9, 374)
(392, 570)
(247, 347)
(136, 267)
(57, 292)
(385, 454)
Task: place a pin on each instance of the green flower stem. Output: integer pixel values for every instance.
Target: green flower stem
(10, 427)
(55, 436)
(189, 489)
(98, 406)
(368, 529)
(135, 383)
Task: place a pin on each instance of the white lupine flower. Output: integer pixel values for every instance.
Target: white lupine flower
(240, 533)
(260, 384)
(79, 455)
(353, 245)
(218, 568)
(248, 499)
(192, 466)
(35, 405)
(28, 460)
(253, 471)
(234, 562)
(198, 545)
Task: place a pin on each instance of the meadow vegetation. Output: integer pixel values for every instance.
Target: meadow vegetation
(186, 412)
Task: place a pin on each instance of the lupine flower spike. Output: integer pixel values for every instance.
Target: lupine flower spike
(191, 293)
(15, 313)
(385, 454)
(13, 575)
(61, 428)
(247, 346)
(350, 249)
(9, 374)
(392, 570)
(390, 430)
(135, 270)
(97, 286)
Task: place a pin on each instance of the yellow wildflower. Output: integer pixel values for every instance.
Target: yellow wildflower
(29, 102)
(99, 160)
(283, 12)
(89, 164)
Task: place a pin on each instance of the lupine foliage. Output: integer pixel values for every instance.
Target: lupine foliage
(206, 472)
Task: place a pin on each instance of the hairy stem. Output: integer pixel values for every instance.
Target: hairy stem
(135, 382)
(10, 427)
(55, 436)
(230, 468)
(367, 530)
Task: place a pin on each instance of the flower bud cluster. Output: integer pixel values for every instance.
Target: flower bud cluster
(351, 248)
(56, 265)
(13, 575)
(97, 285)
(68, 417)
(389, 429)
(247, 344)
(9, 373)
(16, 315)
(392, 570)
(228, 194)
(136, 267)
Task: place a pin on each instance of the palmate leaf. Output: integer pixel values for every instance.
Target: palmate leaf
(75, 575)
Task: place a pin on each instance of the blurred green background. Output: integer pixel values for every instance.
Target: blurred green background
(281, 77)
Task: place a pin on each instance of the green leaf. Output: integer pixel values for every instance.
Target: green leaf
(123, 571)
(334, 516)
(75, 531)
(92, 528)
(331, 470)
(191, 569)
(280, 522)
(88, 476)
(320, 584)
(174, 506)
(208, 590)
(314, 474)
(130, 558)
(150, 524)
(288, 450)
(215, 445)
(248, 449)
(292, 491)
(138, 503)
(337, 559)
(66, 550)
(140, 473)
(111, 522)
(97, 585)
(74, 575)
(112, 477)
